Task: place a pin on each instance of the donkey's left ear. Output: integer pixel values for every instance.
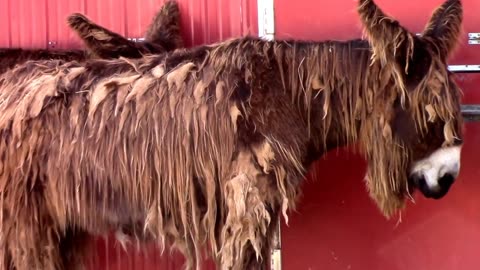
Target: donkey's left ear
(165, 27)
(388, 38)
(445, 26)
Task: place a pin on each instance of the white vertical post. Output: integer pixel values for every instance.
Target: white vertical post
(266, 30)
(276, 252)
(266, 19)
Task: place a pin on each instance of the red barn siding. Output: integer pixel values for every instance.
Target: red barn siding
(33, 23)
(337, 226)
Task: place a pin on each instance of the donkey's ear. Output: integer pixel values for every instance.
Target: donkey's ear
(164, 29)
(445, 26)
(384, 33)
(100, 41)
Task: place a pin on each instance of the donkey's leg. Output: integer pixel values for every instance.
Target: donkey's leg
(249, 209)
(250, 258)
(246, 222)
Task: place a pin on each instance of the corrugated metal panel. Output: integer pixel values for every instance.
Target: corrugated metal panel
(58, 33)
(26, 17)
(5, 40)
(33, 23)
(337, 224)
(203, 21)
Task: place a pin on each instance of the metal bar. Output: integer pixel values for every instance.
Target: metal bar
(276, 251)
(464, 68)
(473, 35)
(136, 39)
(471, 113)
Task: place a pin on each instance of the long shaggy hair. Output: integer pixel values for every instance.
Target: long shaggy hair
(205, 148)
(162, 35)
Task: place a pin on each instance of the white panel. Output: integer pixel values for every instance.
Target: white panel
(266, 19)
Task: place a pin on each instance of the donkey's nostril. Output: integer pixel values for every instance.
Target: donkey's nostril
(446, 180)
(418, 180)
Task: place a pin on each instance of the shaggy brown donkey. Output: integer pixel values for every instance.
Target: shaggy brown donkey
(205, 149)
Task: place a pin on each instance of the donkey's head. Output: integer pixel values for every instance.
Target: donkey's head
(415, 132)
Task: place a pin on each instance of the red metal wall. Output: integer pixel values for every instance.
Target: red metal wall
(32, 23)
(337, 226)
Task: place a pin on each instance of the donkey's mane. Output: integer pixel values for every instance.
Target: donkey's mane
(11, 56)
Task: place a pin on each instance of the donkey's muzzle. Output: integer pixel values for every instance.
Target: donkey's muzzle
(435, 174)
(444, 183)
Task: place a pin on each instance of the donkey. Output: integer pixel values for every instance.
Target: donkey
(206, 148)
(162, 35)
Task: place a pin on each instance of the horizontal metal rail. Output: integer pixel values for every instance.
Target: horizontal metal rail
(464, 68)
(471, 113)
(136, 39)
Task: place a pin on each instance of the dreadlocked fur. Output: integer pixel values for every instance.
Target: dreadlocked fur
(163, 35)
(10, 57)
(205, 148)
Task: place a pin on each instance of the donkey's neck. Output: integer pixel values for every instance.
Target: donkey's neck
(330, 80)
